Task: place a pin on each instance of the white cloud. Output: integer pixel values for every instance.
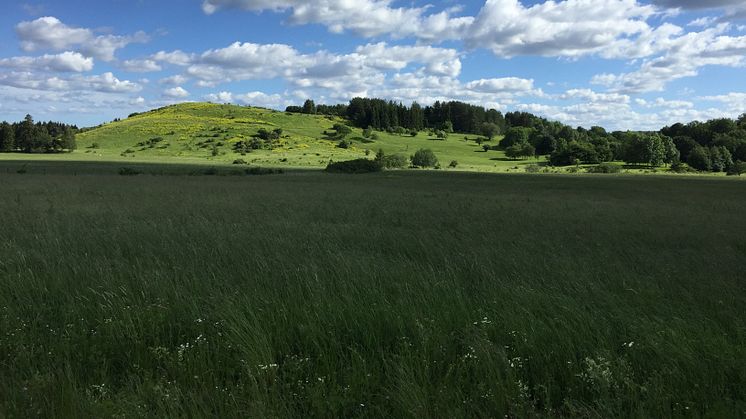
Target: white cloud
(665, 103)
(340, 74)
(176, 92)
(703, 21)
(368, 18)
(569, 28)
(64, 62)
(174, 80)
(140, 66)
(222, 97)
(506, 84)
(49, 33)
(590, 95)
(105, 83)
(683, 58)
(734, 101)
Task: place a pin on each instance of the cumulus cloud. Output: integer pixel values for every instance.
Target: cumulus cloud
(506, 84)
(698, 4)
(49, 33)
(174, 80)
(222, 97)
(104, 83)
(176, 92)
(64, 62)
(343, 74)
(569, 28)
(140, 66)
(734, 101)
(177, 57)
(367, 18)
(684, 57)
(594, 97)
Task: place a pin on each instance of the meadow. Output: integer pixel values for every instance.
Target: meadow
(398, 294)
(206, 133)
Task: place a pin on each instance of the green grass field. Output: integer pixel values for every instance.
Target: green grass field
(400, 294)
(204, 134)
(189, 131)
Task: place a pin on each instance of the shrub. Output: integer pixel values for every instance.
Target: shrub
(239, 161)
(344, 144)
(605, 168)
(259, 171)
(533, 168)
(205, 172)
(128, 171)
(424, 158)
(700, 159)
(737, 169)
(356, 166)
(453, 164)
(395, 161)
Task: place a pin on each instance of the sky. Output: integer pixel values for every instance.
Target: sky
(620, 64)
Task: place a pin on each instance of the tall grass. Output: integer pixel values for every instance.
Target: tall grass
(406, 295)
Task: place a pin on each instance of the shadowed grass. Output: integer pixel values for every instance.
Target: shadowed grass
(389, 295)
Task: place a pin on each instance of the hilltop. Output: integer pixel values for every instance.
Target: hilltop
(209, 133)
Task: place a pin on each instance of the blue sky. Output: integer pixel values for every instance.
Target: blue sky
(622, 64)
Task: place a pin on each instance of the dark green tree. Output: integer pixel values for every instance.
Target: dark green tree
(26, 134)
(67, 141)
(514, 136)
(699, 159)
(309, 107)
(490, 130)
(424, 158)
(7, 137)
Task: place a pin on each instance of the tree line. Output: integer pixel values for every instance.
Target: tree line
(718, 145)
(41, 137)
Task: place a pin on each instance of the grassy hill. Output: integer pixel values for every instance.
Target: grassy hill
(206, 133)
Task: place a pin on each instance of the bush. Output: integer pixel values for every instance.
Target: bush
(453, 165)
(344, 144)
(533, 168)
(737, 169)
(239, 161)
(356, 166)
(394, 161)
(605, 168)
(424, 158)
(128, 171)
(205, 172)
(259, 171)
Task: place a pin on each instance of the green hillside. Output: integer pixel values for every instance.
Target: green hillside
(207, 133)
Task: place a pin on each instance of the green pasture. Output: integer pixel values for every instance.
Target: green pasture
(400, 294)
